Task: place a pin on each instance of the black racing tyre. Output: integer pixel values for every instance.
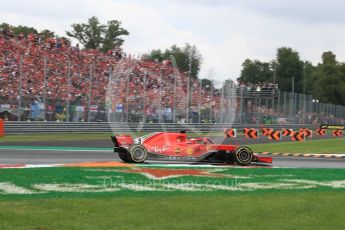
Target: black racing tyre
(137, 153)
(123, 154)
(243, 155)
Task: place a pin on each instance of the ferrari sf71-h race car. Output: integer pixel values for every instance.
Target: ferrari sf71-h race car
(176, 146)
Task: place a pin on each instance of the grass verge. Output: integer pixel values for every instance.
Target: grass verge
(302, 210)
(336, 145)
(264, 198)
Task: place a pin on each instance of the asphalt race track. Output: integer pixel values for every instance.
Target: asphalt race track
(107, 142)
(62, 156)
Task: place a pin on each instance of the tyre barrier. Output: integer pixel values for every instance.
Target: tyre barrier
(277, 135)
(337, 133)
(230, 133)
(266, 131)
(298, 136)
(287, 132)
(321, 132)
(251, 133)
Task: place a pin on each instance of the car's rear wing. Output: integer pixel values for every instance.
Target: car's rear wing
(122, 140)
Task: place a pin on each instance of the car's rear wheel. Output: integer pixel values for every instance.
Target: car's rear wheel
(243, 155)
(123, 154)
(137, 153)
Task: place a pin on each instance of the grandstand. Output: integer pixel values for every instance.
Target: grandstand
(34, 72)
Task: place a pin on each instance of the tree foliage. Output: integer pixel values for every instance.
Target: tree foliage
(186, 57)
(329, 80)
(289, 68)
(207, 84)
(94, 35)
(308, 78)
(25, 30)
(326, 81)
(47, 34)
(281, 71)
(255, 72)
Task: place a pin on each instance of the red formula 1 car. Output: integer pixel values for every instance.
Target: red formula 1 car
(176, 146)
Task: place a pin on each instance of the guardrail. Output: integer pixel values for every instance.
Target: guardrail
(12, 127)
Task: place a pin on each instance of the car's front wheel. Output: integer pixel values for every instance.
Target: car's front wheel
(243, 155)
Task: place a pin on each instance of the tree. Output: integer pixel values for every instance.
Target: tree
(255, 72)
(326, 81)
(113, 35)
(329, 80)
(207, 84)
(94, 35)
(155, 55)
(289, 66)
(25, 30)
(44, 34)
(308, 77)
(186, 56)
(328, 58)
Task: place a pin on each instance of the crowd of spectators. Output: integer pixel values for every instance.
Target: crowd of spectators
(51, 68)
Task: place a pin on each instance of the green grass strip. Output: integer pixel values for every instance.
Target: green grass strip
(302, 210)
(316, 203)
(235, 179)
(336, 145)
